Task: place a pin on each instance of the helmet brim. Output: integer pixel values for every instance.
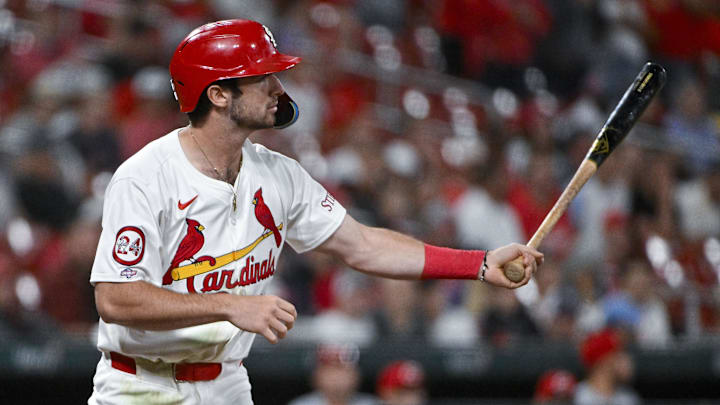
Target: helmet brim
(276, 63)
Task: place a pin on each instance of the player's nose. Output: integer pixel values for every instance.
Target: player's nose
(276, 88)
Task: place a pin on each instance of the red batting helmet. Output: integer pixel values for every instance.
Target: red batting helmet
(226, 50)
(401, 374)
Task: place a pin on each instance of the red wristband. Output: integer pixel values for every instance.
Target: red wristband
(443, 262)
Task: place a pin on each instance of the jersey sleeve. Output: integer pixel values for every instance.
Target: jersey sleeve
(314, 213)
(129, 246)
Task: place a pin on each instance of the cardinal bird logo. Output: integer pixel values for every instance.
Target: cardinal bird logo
(264, 216)
(191, 243)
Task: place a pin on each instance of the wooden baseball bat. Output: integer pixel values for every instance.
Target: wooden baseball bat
(648, 82)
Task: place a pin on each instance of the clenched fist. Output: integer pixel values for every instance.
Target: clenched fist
(497, 258)
(267, 315)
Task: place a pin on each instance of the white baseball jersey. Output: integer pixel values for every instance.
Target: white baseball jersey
(166, 223)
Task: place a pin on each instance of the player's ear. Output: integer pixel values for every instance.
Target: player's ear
(218, 96)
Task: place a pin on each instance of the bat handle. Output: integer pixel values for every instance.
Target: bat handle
(515, 270)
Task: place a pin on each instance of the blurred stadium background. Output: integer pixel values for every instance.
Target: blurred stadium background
(456, 121)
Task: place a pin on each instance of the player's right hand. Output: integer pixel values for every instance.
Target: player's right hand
(267, 315)
(501, 256)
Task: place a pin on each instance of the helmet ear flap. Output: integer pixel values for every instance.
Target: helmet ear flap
(287, 112)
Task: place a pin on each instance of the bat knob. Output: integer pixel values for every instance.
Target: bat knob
(514, 270)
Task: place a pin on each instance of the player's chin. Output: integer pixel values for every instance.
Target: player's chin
(268, 120)
(265, 123)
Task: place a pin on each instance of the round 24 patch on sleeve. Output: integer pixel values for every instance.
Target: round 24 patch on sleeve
(129, 246)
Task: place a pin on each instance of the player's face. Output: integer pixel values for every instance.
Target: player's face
(256, 106)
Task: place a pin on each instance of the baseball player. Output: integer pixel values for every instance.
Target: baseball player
(194, 223)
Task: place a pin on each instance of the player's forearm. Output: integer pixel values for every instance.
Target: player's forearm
(390, 254)
(144, 306)
(387, 253)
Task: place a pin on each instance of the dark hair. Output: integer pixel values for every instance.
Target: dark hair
(198, 116)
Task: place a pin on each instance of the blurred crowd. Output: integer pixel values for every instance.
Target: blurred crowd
(336, 377)
(336, 380)
(456, 121)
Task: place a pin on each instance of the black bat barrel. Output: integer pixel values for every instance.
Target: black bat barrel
(633, 103)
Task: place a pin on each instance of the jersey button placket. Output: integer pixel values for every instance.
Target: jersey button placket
(234, 203)
(234, 197)
(233, 212)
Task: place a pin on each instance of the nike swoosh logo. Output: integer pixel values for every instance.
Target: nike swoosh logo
(182, 206)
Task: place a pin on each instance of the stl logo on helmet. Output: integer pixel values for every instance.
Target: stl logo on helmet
(270, 35)
(172, 86)
(129, 246)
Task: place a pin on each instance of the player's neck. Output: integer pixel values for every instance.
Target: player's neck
(215, 151)
(224, 137)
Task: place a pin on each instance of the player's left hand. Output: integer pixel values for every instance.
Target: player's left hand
(497, 258)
